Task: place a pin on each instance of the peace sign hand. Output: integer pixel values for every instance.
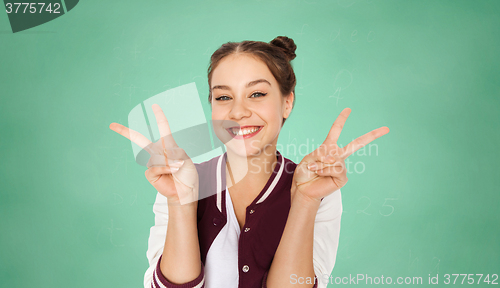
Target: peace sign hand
(170, 170)
(323, 171)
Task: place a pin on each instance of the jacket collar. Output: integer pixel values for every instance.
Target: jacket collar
(268, 188)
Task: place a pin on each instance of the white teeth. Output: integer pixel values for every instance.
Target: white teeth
(245, 131)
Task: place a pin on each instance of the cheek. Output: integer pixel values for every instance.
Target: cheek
(217, 113)
(273, 115)
(217, 118)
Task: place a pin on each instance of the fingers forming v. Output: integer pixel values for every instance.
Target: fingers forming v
(130, 134)
(337, 126)
(361, 141)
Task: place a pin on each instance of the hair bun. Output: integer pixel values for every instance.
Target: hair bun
(287, 45)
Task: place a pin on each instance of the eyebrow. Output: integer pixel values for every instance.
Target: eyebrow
(249, 84)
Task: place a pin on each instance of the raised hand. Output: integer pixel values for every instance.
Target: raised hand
(323, 171)
(170, 170)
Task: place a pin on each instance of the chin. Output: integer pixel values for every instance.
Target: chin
(242, 148)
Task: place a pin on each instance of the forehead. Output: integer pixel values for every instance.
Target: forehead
(239, 69)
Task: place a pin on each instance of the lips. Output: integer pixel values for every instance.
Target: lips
(244, 132)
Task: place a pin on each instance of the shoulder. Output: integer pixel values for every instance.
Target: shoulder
(207, 172)
(288, 166)
(207, 166)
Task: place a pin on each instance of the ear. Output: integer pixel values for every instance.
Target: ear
(288, 105)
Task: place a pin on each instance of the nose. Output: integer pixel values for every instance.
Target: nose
(239, 110)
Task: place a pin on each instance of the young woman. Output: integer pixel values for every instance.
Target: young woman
(250, 217)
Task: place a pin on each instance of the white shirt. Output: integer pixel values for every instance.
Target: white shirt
(221, 267)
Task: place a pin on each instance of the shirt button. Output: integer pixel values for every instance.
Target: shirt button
(251, 211)
(246, 268)
(247, 229)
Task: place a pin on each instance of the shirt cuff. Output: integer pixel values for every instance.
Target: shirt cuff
(264, 284)
(160, 281)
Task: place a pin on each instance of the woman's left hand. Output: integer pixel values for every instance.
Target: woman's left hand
(323, 171)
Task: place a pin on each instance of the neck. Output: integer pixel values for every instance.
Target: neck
(252, 169)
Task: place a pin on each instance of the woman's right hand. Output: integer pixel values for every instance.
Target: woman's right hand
(170, 170)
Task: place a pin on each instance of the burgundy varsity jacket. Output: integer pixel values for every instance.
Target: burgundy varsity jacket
(264, 222)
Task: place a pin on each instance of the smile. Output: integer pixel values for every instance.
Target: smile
(244, 132)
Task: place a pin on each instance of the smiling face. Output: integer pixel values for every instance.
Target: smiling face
(247, 105)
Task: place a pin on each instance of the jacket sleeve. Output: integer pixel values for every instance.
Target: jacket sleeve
(326, 237)
(153, 276)
(160, 281)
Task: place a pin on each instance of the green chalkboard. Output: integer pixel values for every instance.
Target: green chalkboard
(76, 209)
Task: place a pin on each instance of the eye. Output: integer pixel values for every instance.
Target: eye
(258, 93)
(222, 98)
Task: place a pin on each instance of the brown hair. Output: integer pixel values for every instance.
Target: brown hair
(276, 54)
